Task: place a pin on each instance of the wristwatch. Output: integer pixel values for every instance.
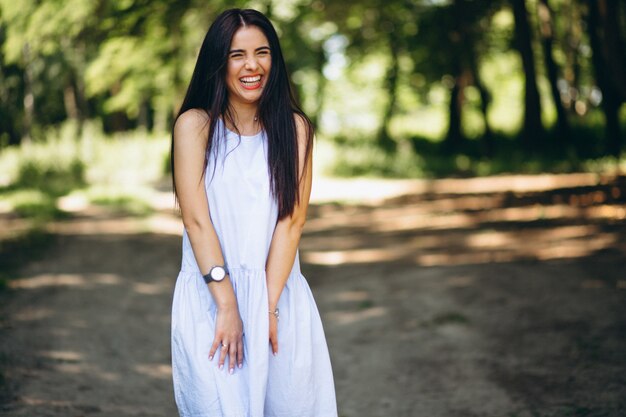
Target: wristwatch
(217, 274)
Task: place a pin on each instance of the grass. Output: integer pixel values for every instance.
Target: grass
(129, 199)
(110, 171)
(117, 172)
(424, 157)
(32, 203)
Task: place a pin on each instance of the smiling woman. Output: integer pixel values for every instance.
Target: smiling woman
(249, 64)
(241, 166)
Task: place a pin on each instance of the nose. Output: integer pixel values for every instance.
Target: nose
(251, 63)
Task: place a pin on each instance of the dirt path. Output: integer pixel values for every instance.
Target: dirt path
(458, 299)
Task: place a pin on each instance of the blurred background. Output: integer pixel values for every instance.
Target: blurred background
(396, 88)
(468, 202)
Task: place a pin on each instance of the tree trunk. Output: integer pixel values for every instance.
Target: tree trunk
(69, 101)
(547, 38)
(72, 99)
(533, 129)
(161, 112)
(614, 46)
(321, 85)
(79, 88)
(454, 137)
(460, 41)
(143, 117)
(485, 99)
(29, 97)
(391, 83)
(596, 22)
(573, 66)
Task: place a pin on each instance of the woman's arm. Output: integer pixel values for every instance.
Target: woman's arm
(190, 139)
(287, 233)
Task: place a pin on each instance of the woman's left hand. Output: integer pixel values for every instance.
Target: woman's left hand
(274, 333)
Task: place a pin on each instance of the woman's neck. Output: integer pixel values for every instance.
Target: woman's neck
(245, 119)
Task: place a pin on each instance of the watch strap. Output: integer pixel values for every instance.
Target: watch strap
(208, 278)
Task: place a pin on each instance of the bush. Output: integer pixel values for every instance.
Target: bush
(52, 177)
(369, 160)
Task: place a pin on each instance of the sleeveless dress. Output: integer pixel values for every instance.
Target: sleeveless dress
(298, 382)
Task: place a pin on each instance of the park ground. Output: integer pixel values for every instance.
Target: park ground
(501, 296)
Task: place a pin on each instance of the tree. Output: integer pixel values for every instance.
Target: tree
(601, 17)
(383, 26)
(45, 40)
(448, 47)
(303, 35)
(532, 132)
(10, 96)
(547, 38)
(392, 24)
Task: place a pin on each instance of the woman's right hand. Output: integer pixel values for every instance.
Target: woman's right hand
(229, 333)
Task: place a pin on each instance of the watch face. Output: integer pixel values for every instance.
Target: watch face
(218, 273)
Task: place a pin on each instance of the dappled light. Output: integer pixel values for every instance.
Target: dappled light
(155, 370)
(376, 190)
(33, 314)
(63, 280)
(466, 234)
(439, 279)
(350, 317)
(474, 221)
(99, 339)
(62, 356)
(351, 296)
(151, 288)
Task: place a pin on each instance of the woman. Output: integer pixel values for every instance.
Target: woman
(247, 339)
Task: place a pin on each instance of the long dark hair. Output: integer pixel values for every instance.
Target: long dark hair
(277, 105)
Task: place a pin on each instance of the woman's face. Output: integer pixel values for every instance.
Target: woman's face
(249, 64)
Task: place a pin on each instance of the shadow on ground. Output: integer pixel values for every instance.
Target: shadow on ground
(443, 303)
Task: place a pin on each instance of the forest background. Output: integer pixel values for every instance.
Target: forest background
(494, 257)
(397, 88)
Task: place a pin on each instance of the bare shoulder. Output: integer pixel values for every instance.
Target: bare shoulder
(303, 128)
(191, 126)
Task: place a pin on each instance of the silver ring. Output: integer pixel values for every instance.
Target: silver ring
(224, 345)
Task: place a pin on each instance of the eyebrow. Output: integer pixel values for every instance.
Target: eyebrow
(241, 50)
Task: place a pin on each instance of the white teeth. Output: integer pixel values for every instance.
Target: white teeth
(250, 79)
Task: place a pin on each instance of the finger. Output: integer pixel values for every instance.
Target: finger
(240, 352)
(223, 353)
(232, 357)
(214, 347)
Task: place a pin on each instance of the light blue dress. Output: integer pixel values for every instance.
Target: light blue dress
(298, 382)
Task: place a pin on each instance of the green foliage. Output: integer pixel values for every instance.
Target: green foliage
(364, 70)
(583, 151)
(125, 204)
(369, 160)
(167, 164)
(55, 179)
(116, 172)
(38, 179)
(123, 199)
(53, 167)
(33, 204)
